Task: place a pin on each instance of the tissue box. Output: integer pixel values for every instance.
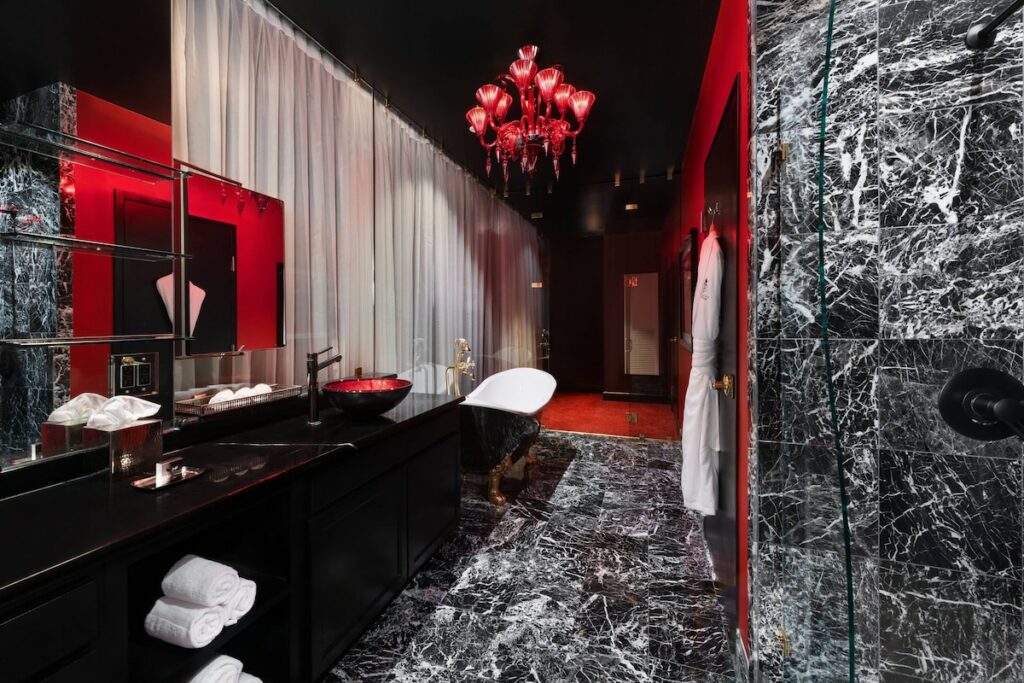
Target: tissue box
(59, 438)
(134, 449)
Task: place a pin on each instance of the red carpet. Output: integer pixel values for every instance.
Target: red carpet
(592, 414)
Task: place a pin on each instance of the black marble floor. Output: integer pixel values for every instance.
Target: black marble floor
(592, 572)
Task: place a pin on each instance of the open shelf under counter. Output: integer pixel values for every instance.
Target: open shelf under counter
(154, 661)
(122, 251)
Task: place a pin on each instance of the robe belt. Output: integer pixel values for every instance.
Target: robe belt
(704, 355)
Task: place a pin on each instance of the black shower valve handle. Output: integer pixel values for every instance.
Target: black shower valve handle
(983, 404)
(1010, 413)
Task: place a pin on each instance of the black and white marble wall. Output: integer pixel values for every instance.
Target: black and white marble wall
(924, 259)
(35, 294)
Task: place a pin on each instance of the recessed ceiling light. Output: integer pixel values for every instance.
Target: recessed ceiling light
(632, 207)
(537, 214)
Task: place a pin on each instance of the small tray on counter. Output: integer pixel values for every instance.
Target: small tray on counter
(201, 407)
(179, 475)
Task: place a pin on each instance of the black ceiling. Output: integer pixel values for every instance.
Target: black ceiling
(643, 60)
(119, 50)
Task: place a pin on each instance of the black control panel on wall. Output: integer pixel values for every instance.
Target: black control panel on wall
(134, 374)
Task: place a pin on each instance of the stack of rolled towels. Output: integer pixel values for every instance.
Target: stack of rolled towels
(224, 669)
(200, 598)
(244, 392)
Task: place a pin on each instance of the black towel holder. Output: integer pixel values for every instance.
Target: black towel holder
(982, 34)
(983, 404)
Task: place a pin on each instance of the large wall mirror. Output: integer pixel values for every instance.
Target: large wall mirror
(235, 270)
(100, 233)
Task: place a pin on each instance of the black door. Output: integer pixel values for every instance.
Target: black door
(212, 268)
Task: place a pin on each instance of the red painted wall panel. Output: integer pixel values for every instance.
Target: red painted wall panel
(92, 293)
(92, 280)
(260, 247)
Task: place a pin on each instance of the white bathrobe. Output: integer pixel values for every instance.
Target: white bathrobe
(701, 438)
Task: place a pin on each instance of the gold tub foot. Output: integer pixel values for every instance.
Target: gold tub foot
(531, 460)
(494, 481)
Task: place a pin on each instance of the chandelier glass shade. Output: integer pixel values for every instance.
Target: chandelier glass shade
(544, 126)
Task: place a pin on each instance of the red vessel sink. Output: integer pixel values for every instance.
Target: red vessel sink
(366, 397)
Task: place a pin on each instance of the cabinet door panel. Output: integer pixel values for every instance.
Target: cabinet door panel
(358, 564)
(433, 498)
(44, 635)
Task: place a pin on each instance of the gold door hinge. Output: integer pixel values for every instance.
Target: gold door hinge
(786, 645)
(631, 418)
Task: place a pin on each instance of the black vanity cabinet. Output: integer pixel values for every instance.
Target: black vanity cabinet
(330, 532)
(357, 563)
(366, 545)
(54, 637)
(434, 495)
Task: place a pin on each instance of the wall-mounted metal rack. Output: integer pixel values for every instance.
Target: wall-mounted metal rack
(64, 147)
(73, 244)
(83, 341)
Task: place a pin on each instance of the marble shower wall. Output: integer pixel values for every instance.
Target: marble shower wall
(924, 248)
(40, 189)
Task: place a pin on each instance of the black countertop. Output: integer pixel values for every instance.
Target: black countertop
(73, 522)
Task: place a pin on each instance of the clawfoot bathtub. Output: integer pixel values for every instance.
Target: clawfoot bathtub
(500, 422)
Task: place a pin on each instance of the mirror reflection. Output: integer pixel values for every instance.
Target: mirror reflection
(95, 304)
(235, 273)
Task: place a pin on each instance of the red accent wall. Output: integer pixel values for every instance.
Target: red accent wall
(92, 292)
(92, 280)
(727, 58)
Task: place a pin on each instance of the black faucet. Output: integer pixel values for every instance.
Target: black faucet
(313, 368)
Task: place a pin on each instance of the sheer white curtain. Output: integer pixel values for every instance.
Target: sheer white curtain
(452, 261)
(255, 100)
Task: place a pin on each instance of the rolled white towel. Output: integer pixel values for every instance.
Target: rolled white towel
(244, 392)
(249, 678)
(200, 581)
(222, 669)
(261, 389)
(239, 604)
(222, 395)
(182, 623)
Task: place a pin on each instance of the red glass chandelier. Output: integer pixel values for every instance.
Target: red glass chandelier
(536, 132)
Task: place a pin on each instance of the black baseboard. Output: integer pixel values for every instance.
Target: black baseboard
(634, 398)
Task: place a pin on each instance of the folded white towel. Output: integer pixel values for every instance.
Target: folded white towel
(249, 678)
(200, 581)
(223, 669)
(121, 411)
(223, 395)
(78, 409)
(239, 604)
(183, 624)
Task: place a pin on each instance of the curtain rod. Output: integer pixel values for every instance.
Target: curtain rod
(374, 92)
